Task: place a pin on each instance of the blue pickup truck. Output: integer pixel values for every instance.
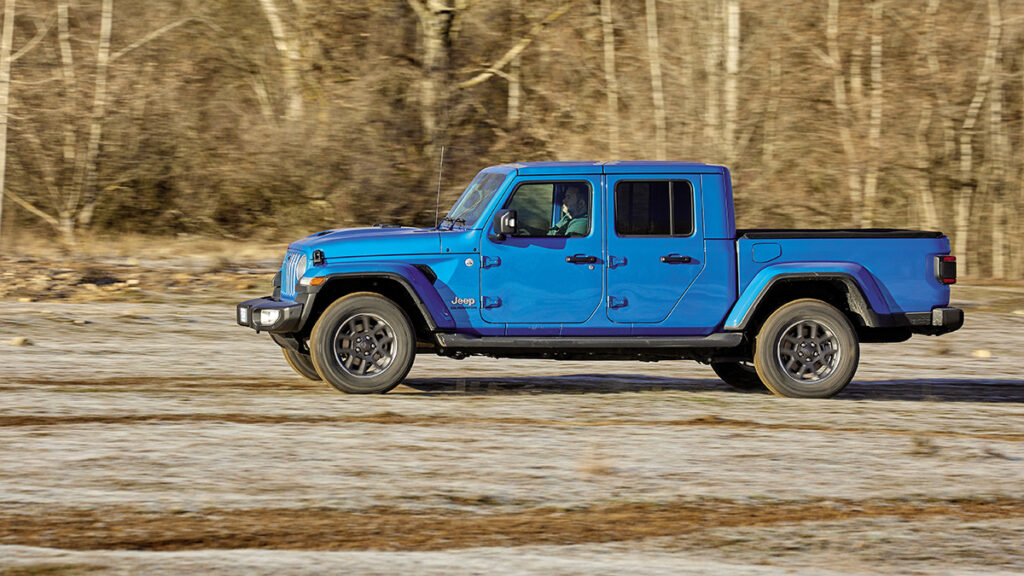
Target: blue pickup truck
(604, 261)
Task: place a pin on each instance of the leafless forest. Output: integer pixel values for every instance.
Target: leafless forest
(261, 118)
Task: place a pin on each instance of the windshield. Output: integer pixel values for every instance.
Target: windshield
(475, 199)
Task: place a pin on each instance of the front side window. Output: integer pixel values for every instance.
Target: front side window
(552, 209)
(654, 208)
(475, 198)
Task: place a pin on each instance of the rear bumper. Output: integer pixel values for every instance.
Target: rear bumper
(938, 321)
(288, 318)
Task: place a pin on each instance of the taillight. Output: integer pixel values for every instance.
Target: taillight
(945, 269)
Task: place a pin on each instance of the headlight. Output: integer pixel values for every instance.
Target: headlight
(301, 266)
(269, 317)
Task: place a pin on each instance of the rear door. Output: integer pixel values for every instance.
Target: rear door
(655, 244)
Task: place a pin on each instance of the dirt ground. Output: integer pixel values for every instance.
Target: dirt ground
(141, 431)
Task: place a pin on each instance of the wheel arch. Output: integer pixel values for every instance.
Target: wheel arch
(839, 289)
(424, 307)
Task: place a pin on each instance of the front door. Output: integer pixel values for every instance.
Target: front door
(655, 244)
(550, 272)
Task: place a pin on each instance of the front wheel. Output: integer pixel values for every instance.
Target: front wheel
(363, 344)
(806, 349)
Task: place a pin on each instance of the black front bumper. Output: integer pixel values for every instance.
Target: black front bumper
(938, 321)
(289, 315)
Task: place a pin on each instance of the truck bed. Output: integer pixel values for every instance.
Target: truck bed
(895, 268)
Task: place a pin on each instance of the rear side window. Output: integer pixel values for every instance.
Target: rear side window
(654, 208)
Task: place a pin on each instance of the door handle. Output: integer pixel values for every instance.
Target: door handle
(581, 259)
(676, 259)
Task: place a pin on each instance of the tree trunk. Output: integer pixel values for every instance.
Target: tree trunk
(611, 81)
(87, 184)
(732, 71)
(928, 70)
(927, 212)
(435, 21)
(771, 117)
(875, 121)
(1016, 252)
(997, 159)
(968, 182)
(515, 68)
(6, 40)
(67, 67)
(712, 68)
(291, 60)
(657, 90)
(853, 180)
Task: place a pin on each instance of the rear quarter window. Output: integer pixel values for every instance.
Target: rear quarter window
(654, 208)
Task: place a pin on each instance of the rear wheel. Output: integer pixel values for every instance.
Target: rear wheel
(807, 349)
(363, 344)
(739, 375)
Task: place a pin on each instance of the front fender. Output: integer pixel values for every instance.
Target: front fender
(412, 278)
(848, 272)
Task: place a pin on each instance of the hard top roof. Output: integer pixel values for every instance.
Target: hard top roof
(611, 167)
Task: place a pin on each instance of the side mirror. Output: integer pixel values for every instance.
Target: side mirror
(505, 223)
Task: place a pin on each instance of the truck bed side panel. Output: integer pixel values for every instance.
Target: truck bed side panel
(903, 269)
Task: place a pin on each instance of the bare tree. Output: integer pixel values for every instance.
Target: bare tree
(854, 184)
(515, 71)
(997, 158)
(928, 213)
(72, 187)
(435, 22)
(712, 70)
(657, 91)
(965, 194)
(287, 45)
(610, 80)
(732, 72)
(6, 40)
(84, 186)
(875, 120)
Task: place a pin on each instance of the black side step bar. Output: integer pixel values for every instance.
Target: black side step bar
(723, 340)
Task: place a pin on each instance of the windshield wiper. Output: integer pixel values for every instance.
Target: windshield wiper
(452, 222)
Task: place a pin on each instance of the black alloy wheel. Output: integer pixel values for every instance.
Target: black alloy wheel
(363, 344)
(807, 349)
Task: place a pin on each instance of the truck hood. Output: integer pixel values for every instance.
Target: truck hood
(371, 242)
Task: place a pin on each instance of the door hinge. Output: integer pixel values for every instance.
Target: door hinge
(491, 302)
(616, 302)
(490, 261)
(616, 261)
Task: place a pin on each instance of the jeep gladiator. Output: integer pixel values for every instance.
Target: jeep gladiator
(604, 261)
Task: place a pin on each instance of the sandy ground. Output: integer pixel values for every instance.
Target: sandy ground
(141, 431)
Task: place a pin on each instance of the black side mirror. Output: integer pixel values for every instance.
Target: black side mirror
(505, 223)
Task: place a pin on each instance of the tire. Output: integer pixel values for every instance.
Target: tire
(301, 363)
(363, 344)
(739, 375)
(806, 349)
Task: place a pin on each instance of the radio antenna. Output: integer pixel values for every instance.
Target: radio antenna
(437, 203)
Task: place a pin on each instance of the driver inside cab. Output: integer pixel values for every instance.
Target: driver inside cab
(575, 214)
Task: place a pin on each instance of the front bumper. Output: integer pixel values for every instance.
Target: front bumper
(938, 321)
(288, 318)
